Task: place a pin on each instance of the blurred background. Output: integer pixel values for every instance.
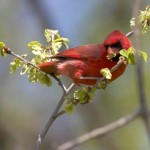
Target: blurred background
(26, 107)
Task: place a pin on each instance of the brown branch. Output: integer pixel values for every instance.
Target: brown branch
(99, 132)
(139, 70)
(10, 52)
(53, 117)
(130, 33)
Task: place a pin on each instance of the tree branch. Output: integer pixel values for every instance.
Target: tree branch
(99, 132)
(130, 33)
(9, 51)
(139, 70)
(54, 115)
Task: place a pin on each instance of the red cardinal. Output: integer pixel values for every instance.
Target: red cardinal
(87, 61)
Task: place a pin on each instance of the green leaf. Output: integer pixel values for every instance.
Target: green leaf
(66, 42)
(106, 73)
(131, 58)
(85, 94)
(51, 34)
(56, 47)
(91, 93)
(69, 108)
(35, 75)
(124, 53)
(132, 22)
(2, 45)
(24, 69)
(35, 47)
(143, 55)
(80, 94)
(38, 60)
(14, 65)
(129, 54)
(32, 75)
(2, 50)
(44, 78)
(102, 84)
(48, 35)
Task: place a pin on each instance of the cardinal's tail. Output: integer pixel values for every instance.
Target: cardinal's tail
(49, 67)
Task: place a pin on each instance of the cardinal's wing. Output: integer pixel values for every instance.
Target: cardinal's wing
(90, 52)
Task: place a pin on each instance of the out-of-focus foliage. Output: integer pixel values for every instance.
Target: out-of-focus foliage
(2, 50)
(143, 19)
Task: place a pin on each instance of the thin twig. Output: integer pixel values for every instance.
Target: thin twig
(130, 33)
(59, 82)
(139, 70)
(99, 132)
(53, 117)
(9, 51)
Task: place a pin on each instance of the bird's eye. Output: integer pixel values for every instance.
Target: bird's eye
(115, 45)
(106, 46)
(112, 45)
